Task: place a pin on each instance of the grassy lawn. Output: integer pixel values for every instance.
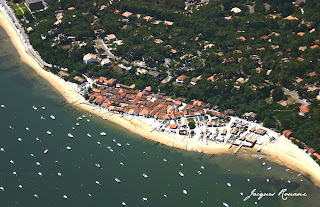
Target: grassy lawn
(15, 7)
(19, 12)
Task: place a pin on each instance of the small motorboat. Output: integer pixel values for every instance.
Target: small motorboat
(145, 175)
(264, 163)
(19, 139)
(52, 117)
(103, 133)
(43, 108)
(65, 197)
(268, 180)
(104, 118)
(99, 143)
(119, 144)
(97, 182)
(165, 160)
(228, 184)
(59, 174)
(45, 151)
(88, 120)
(38, 163)
(11, 161)
(80, 118)
(70, 135)
(181, 174)
(2, 106)
(114, 140)
(199, 172)
(77, 124)
(181, 164)
(40, 173)
(117, 180)
(202, 167)
(89, 195)
(35, 195)
(164, 195)
(98, 165)
(185, 192)
(35, 108)
(2, 149)
(42, 118)
(145, 199)
(269, 168)
(121, 163)
(27, 128)
(225, 204)
(49, 133)
(20, 186)
(124, 204)
(89, 135)
(68, 148)
(15, 173)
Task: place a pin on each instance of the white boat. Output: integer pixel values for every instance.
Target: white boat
(2, 149)
(164, 195)
(181, 164)
(181, 174)
(269, 168)
(15, 173)
(89, 135)
(264, 163)
(70, 135)
(38, 163)
(124, 204)
(19, 139)
(288, 169)
(89, 195)
(121, 163)
(59, 174)
(48, 132)
(46, 151)
(145, 175)
(20, 186)
(27, 128)
(80, 118)
(199, 172)
(66, 197)
(228, 184)
(35, 195)
(97, 182)
(185, 192)
(165, 160)
(40, 173)
(42, 118)
(103, 133)
(68, 148)
(2, 188)
(88, 120)
(299, 174)
(98, 143)
(83, 116)
(77, 124)
(35, 108)
(43, 108)
(128, 144)
(145, 199)
(119, 144)
(268, 180)
(114, 140)
(52, 117)
(225, 204)
(11, 161)
(2, 106)
(98, 165)
(202, 167)
(117, 180)
(104, 118)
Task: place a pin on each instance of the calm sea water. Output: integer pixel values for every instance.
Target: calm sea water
(21, 88)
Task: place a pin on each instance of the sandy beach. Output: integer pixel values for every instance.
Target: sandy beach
(282, 152)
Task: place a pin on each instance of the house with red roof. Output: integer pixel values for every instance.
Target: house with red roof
(304, 110)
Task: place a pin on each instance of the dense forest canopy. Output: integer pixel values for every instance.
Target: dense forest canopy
(251, 49)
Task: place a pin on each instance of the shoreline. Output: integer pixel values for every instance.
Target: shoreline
(283, 152)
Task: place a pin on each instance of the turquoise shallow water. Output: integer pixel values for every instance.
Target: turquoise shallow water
(21, 88)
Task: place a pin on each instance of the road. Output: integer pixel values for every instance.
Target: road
(295, 96)
(24, 38)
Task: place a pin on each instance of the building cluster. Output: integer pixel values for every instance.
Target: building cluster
(126, 99)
